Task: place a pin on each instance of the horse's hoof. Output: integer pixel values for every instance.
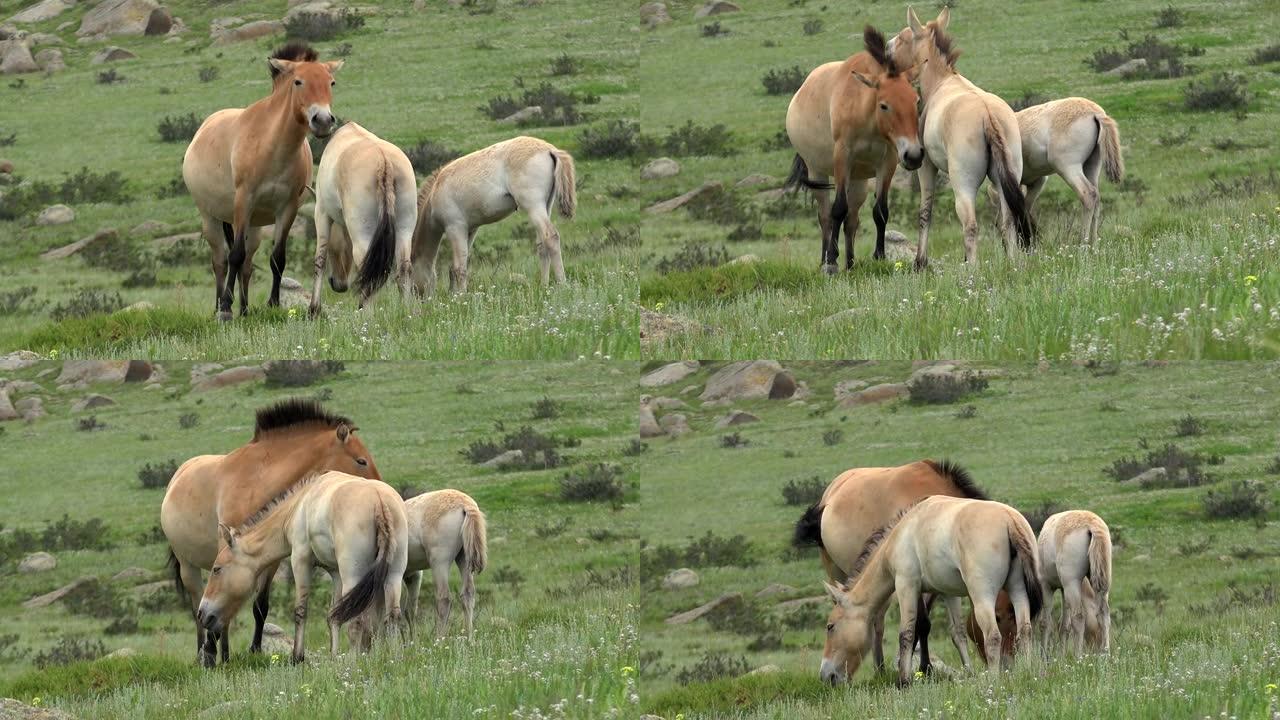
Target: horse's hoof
(224, 315)
(298, 659)
(313, 312)
(829, 269)
(878, 256)
(208, 661)
(922, 264)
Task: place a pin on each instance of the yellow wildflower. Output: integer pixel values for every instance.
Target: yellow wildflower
(1250, 279)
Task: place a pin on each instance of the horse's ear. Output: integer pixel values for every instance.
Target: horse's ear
(873, 84)
(344, 432)
(279, 66)
(335, 65)
(913, 22)
(944, 17)
(837, 594)
(228, 534)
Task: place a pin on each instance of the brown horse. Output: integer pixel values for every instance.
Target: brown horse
(863, 500)
(292, 440)
(853, 120)
(248, 167)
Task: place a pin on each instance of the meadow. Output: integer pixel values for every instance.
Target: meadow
(555, 621)
(1194, 595)
(425, 78)
(1183, 268)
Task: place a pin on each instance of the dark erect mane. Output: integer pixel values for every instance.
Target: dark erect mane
(942, 41)
(952, 471)
(294, 412)
(294, 51)
(874, 41)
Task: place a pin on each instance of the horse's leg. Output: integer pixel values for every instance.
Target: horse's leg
(1092, 169)
(1087, 193)
(261, 605)
(984, 612)
(440, 574)
(839, 210)
(1104, 620)
(216, 235)
(908, 607)
(968, 218)
(237, 257)
(880, 212)
(404, 252)
(302, 568)
(878, 646)
(855, 195)
(1033, 190)
(955, 618)
(193, 585)
(927, 174)
(1046, 612)
(252, 238)
(413, 586)
(1017, 589)
(335, 630)
(1073, 607)
(324, 226)
(548, 243)
(823, 199)
(923, 626)
(459, 244)
(284, 223)
(468, 593)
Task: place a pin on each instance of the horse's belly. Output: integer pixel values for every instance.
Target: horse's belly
(945, 579)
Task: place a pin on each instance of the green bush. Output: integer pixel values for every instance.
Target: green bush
(598, 482)
(158, 475)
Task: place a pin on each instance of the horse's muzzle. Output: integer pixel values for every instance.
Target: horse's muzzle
(322, 124)
(913, 160)
(338, 287)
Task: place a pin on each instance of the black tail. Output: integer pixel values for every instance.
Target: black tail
(229, 233)
(176, 569)
(381, 255)
(808, 531)
(998, 156)
(370, 586)
(799, 177)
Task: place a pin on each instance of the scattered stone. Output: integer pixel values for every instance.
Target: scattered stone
(91, 402)
(755, 179)
(675, 424)
(897, 248)
(680, 579)
(15, 58)
(11, 709)
(124, 652)
(141, 306)
(131, 573)
(152, 588)
(690, 389)
(845, 388)
(764, 670)
(165, 243)
(524, 114)
(288, 283)
(100, 371)
(506, 459)
(670, 373)
(876, 394)
(233, 376)
(66, 251)
(111, 54)
(653, 14)
(161, 22)
(37, 562)
(690, 615)
(41, 11)
(1151, 476)
(6, 167)
(736, 417)
(649, 427)
(50, 598)
(19, 360)
(50, 60)
(775, 589)
(680, 201)
(750, 380)
(55, 215)
(746, 259)
(663, 167)
(666, 403)
(149, 227)
(717, 7)
(803, 602)
(1129, 68)
(32, 409)
(119, 17)
(249, 31)
(272, 629)
(7, 410)
(656, 327)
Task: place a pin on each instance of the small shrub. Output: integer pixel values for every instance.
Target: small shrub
(152, 536)
(301, 373)
(803, 492)
(1175, 139)
(1038, 514)
(176, 187)
(1182, 468)
(178, 128)
(711, 550)
(1273, 467)
(691, 256)
(691, 139)
(812, 27)
(70, 650)
(89, 424)
(538, 451)
(615, 139)
(597, 482)
(208, 73)
(65, 534)
(183, 253)
(21, 301)
(1268, 54)
(342, 51)
(110, 77)
(96, 599)
(1029, 98)
(9, 650)
(545, 409)
(1221, 91)
(832, 437)
(564, 64)
(1243, 499)
(551, 530)
(1153, 594)
(1189, 426)
(1169, 17)
(635, 448)
(559, 108)
(734, 440)
(124, 625)
(766, 641)
(1163, 60)
(712, 666)
(738, 616)
(186, 421)
(408, 491)
(114, 254)
(945, 388)
(323, 26)
(968, 412)
(8, 140)
(428, 156)
(140, 278)
(1189, 548)
(714, 30)
(158, 475)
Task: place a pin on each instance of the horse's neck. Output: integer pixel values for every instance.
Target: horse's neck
(279, 122)
(268, 541)
(874, 585)
(934, 79)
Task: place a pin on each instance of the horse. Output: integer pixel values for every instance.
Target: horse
(352, 526)
(445, 526)
(968, 133)
(855, 120)
(1075, 550)
(248, 167)
(860, 501)
(366, 208)
(1075, 139)
(292, 439)
(954, 547)
(523, 173)
(1009, 629)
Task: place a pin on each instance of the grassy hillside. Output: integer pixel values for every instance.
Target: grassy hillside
(1194, 598)
(410, 76)
(1182, 268)
(555, 619)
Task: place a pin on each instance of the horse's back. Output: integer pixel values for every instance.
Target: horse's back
(188, 513)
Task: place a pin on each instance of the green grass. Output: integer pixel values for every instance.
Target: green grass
(410, 76)
(1175, 245)
(1036, 434)
(555, 616)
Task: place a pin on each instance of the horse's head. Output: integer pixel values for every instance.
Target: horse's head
(896, 102)
(308, 84)
(909, 47)
(341, 450)
(848, 637)
(232, 580)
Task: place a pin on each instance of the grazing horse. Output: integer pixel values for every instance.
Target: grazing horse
(445, 526)
(351, 526)
(366, 207)
(292, 439)
(248, 167)
(522, 173)
(955, 547)
(1075, 550)
(1074, 138)
(853, 120)
(1009, 628)
(969, 134)
(858, 503)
